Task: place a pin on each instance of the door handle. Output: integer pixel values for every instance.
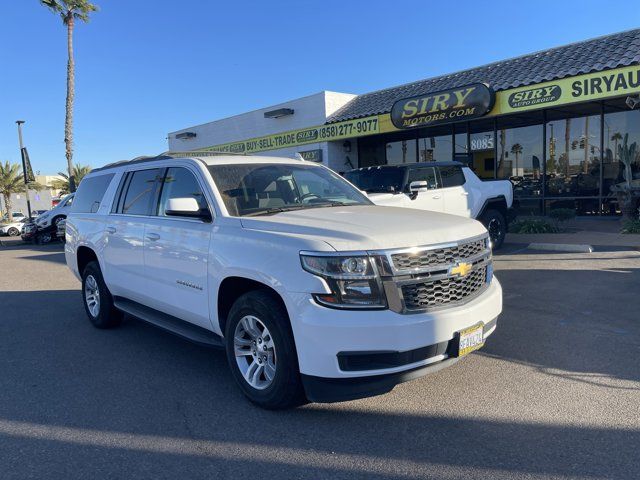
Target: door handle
(153, 237)
(466, 194)
(111, 229)
(436, 196)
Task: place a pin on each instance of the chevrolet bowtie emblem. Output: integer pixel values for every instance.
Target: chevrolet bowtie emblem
(462, 269)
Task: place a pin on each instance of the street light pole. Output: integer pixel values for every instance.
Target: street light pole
(24, 168)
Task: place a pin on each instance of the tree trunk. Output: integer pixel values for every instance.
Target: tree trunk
(8, 206)
(68, 122)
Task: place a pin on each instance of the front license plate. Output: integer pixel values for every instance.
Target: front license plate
(470, 339)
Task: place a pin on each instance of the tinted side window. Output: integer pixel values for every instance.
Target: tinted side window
(180, 183)
(140, 192)
(424, 175)
(451, 176)
(90, 193)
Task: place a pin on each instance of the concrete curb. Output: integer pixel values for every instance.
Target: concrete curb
(561, 247)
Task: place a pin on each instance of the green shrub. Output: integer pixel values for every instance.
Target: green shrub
(562, 214)
(631, 226)
(532, 226)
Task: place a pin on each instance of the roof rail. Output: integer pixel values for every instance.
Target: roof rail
(203, 153)
(164, 156)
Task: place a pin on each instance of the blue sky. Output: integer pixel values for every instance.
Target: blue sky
(146, 68)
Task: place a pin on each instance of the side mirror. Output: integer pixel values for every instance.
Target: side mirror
(186, 207)
(418, 186)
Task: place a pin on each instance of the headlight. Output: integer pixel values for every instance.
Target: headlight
(353, 280)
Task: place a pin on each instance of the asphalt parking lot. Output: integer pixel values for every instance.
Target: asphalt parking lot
(555, 393)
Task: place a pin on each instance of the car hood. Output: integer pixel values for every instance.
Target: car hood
(387, 199)
(368, 227)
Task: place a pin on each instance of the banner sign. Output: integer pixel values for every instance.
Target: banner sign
(312, 155)
(592, 86)
(447, 106)
(27, 171)
(453, 105)
(322, 133)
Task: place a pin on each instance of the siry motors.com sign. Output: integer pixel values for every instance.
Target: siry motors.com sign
(447, 106)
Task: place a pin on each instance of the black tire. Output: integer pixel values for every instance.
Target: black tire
(106, 315)
(285, 389)
(57, 219)
(496, 225)
(13, 232)
(44, 238)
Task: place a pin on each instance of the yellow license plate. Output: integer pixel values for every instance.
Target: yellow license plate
(470, 339)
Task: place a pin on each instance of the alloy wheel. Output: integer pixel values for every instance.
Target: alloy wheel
(255, 352)
(92, 295)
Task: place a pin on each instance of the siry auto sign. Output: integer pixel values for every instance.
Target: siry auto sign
(447, 106)
(535, 96)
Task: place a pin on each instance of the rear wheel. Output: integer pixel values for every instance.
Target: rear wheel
(97, 300)
(13, 232)
(496, 225)
(261, 351)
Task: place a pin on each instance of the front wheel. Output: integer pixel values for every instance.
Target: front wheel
(43, 238)
(261, 351)
(13, 232)
(496, 225)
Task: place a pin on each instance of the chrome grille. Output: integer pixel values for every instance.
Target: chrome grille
(407, 261)
(443, 291)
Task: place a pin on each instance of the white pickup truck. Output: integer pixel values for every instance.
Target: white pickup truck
(448, 187)
(314, 292)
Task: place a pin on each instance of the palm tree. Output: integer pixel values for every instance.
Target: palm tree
(11, 181)
(70, 11)
(516, 149)
(78, 172)
(616, 137)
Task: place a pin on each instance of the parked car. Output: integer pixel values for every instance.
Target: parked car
(315, 292)
(56, 214)
(29, 231)
(14, 215)
(60, 230)
(448, 187)
(12, 229)
(32, 233)
(37, 213)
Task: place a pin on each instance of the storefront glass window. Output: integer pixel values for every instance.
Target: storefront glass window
(400, 152)
(620, 129)
(483, 154)
(519, 159)
(461, 143)
(435, 149)
(573, 157)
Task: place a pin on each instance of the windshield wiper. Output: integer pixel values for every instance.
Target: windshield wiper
(272, 211)
(332, 204)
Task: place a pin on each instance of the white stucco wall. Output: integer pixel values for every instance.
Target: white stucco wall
(309, 111)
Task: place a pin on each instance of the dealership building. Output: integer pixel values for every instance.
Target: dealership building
(560, 124)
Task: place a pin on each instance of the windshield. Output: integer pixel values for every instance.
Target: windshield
(376, 179)
(262, 189)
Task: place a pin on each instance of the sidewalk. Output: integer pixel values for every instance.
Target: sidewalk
(596, 231)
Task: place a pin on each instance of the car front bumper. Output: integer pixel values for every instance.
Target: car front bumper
(393, 347)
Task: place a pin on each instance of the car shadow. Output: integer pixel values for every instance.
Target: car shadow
(579, 324)
(136, 399)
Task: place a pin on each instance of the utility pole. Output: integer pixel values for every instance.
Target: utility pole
(24, 167)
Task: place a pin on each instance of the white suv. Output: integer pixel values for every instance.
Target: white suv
(56, 214)
(315, 293)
